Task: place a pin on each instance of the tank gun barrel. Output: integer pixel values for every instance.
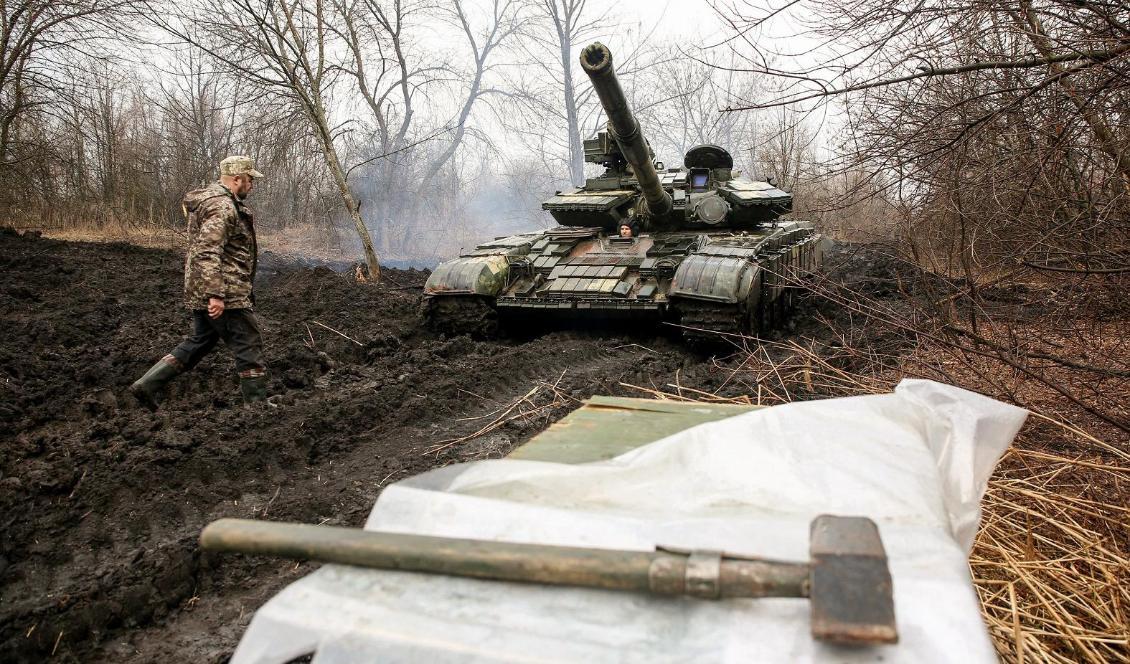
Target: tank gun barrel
(596, 60)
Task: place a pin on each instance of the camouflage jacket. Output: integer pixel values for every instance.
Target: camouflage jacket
(222, 251)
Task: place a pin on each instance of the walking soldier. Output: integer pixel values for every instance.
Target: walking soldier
(219, 272)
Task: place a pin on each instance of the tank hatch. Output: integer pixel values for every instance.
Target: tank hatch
(708, 156)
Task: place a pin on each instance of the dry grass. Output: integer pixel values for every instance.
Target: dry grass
(327, 243)
(300, 240)
(1050, 562)
(147, 236)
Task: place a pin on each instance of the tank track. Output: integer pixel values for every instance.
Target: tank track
(461, 314)
(703, 321)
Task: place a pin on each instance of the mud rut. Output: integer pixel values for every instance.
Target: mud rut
(101, 502)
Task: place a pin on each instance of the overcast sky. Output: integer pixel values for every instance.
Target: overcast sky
(672, 18)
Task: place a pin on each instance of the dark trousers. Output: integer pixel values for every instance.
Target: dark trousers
(237, 328)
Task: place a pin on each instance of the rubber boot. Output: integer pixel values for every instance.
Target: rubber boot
(147, 389)
(254, 388)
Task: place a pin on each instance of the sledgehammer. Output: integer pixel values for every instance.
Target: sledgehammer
(847, 580)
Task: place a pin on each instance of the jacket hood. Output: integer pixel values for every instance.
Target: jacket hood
(195, 198)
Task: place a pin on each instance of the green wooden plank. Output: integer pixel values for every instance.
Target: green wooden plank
(656, 405)
(605, 427)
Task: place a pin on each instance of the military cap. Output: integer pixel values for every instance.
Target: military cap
(239, 165)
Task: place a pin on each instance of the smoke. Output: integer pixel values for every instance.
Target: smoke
(475, 196)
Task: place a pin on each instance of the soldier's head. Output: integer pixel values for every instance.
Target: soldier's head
(238, 174)
(625, 230)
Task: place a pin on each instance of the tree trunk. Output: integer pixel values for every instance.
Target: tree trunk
(576, 150)
(355, 214)
(330, 153)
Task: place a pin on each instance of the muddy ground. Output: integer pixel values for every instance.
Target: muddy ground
(101, 501)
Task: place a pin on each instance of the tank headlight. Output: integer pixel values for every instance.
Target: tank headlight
(712, 209)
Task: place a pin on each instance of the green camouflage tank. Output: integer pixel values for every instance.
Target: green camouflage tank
(707, 249)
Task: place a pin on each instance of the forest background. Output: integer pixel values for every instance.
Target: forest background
(430, 125)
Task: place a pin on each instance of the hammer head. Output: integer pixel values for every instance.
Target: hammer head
(850, 594)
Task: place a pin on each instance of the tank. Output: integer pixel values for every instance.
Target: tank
(698, 246)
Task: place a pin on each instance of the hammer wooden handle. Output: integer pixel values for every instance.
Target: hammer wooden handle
(707, 575)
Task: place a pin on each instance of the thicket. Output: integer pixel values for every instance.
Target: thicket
(992, 139)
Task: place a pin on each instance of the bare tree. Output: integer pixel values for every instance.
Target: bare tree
(787, 149)
(1004, 124)
(505, 21)
(35, 36)
(38, 41)
(998, 132)
(679, 101)
(570, 28)
(391, 77)
(283, 47)
(200, 106)
(556, 108)
(98, 144)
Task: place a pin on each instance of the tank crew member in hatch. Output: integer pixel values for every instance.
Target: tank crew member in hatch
(219, 272)
(626, 230)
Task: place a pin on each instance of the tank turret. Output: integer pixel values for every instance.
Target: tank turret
(705, 194)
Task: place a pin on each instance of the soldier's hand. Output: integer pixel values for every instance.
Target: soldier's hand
(215, 307)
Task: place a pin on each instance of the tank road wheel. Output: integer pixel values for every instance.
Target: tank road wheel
(751, 326)
(461, 314)
(705, 323)
(768, 316)
(789, 308)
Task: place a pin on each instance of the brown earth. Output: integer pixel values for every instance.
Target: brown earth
(101, 501)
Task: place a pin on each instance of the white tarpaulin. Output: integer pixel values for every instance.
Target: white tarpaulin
(915, 461)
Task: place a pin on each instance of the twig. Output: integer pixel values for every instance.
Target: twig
(78, 484)
(508, 413)
(634, 345)
(340, 334)
(271, 501)
(385, 478)
(494, 424)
